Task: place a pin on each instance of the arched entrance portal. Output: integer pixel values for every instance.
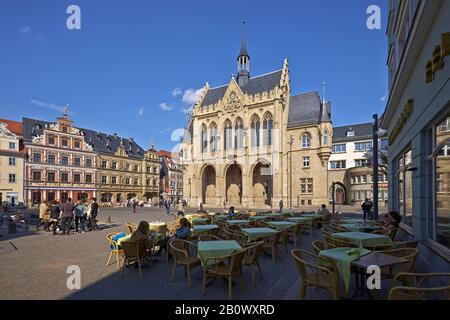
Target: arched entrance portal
(262, 184)
(209, 185)
(234, 185)
(339, 194)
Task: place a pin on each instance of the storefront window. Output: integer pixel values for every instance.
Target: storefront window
(404, 178)
(441, 161)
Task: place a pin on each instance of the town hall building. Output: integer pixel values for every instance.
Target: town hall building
(251, 143)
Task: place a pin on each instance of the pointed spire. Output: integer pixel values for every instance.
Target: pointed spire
(243, 59)
(323, 92)
(243, 52)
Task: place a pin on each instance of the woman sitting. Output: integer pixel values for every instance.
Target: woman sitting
(143, 234)
(231, 212)
(182, 232)
(391, 220)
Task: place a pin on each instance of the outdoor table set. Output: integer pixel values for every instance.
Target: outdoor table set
(236, 222)
(203, 228)
(196, 221)
(363, 227)
(357, 259)
(216, 249)
(281, 225)
(254, 234)
(363, 239)
(300, 219)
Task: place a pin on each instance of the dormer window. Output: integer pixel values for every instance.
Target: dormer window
(350, 133)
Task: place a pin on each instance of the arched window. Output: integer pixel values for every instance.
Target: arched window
(204, 139)
(239, 134)
(213, 137)
(255, 131)
(325, 137)
(267, 129)
(227, 135)
(306, 140)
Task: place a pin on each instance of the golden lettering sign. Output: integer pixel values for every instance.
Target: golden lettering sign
(406, 113)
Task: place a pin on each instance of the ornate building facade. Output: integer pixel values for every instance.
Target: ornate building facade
(11, 162)
(171, 177)
(250, 143)
(60, 163)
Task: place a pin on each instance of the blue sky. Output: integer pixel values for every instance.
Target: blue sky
(135, 65)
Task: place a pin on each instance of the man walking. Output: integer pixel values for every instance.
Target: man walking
(67, 216)
(93, 215)
(367, 208)
(43, 211)
(281, 206)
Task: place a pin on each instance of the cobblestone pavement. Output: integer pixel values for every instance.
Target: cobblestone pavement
(33, 265)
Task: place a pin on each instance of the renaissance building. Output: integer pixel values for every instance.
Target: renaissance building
(250, 143)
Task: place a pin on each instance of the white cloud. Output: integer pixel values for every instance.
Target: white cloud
(165, 106)
(191, 96)
(187, 109)
(177, 92)
(25, 30)
(48, 105)
(141, 111)
(383, 98)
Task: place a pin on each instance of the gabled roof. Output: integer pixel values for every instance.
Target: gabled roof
(13, 126)
(306, 108)
(255, 85)
(363, 131)
(101, 142)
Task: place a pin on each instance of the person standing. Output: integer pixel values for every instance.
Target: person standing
(55, 213)
(67, 216)
(93, 215)
(180, 208)
(79, 216)
(281, 206)
(167, 204)
(367, 208)
(134, 205)
(43, 210)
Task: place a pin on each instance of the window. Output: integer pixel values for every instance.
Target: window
(306, 185)
(363, 179)
(76, 177)
(325, 137)
(204, 138)
(127, 181)
(267, 129)
(51, 159)
(64, 142)
(51, 141)
(77, 162)
(255, 131)
(147, 182)
(136, 181)
(12, 178)
(306, 140)
(239, 134)
(310, 185)
(363, 146)
(104, 179)
(149, 169)
(88, 162)
(350, 133)
(136, 168)
(88, 178)
(65, 160)
(113, 180)
(154, 182)
(213, 137)
(404, 178)
(306, 162)
(12, 161)
(77, 144)
(37, 157)
(339, 148)
(440, 165)
(64, 129)
(227, 134)
(51, 176)
(64, 177)
(383, 144)
(104, 164)
(36, 176)
(12, 145)
(336, 165)
(361, 162)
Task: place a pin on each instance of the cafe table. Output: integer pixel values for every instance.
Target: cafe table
(196, 221)
(363, 227)
(156, 236)
(257, 233)
(273, 215)
(216, 249)
(258, 218)
(203, 228)
(236, 222)
(363, 239)
(299, 219)
(281, 225)
(362, 264)
(343, 258)
(351, 220)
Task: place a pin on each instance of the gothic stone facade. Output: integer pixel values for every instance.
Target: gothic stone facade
(250, 143)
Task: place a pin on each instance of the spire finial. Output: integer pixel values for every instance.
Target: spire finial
(66, 110)
(323, 92)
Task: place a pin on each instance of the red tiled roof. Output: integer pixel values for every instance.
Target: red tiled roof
(164, 153)
(13, 126)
